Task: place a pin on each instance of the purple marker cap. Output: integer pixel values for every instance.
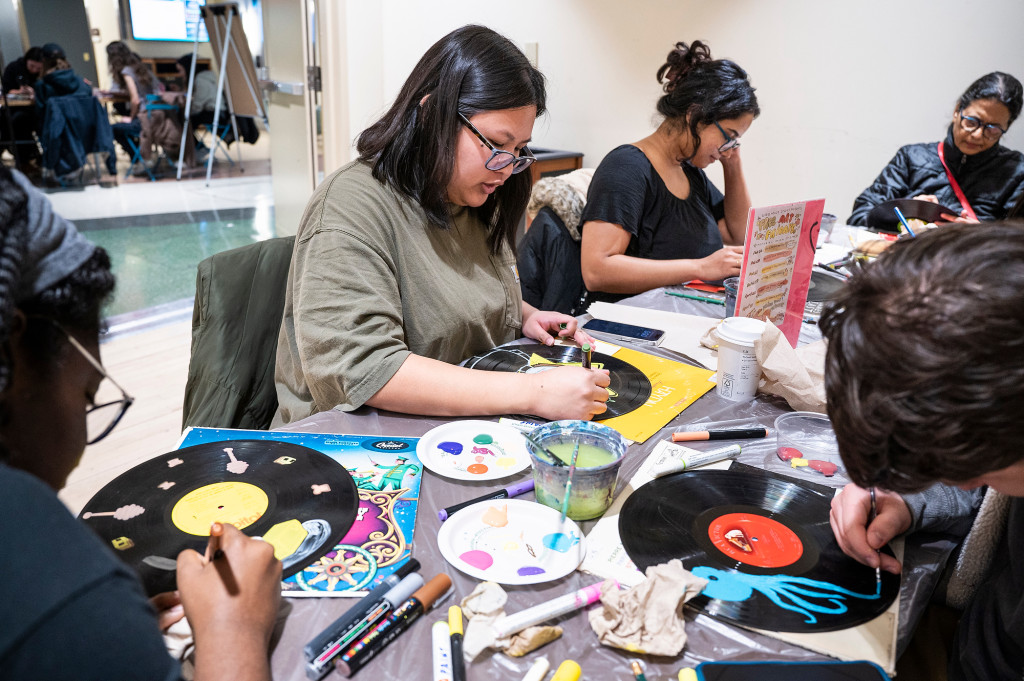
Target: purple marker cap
(520, 487)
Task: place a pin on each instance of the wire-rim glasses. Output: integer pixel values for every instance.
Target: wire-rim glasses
(990, 131)
(499, 158)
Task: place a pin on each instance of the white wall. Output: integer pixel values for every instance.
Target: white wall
(841, 85)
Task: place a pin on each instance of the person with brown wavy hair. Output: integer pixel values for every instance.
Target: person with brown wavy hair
(133, 78)
(653, 218)
(924, 376)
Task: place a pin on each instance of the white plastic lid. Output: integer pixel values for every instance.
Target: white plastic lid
(740, 330)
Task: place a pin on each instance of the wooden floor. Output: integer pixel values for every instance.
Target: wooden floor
(152, 366)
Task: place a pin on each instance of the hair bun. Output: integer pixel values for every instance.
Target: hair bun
(681, 61)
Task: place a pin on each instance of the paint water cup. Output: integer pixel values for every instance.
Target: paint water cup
(828, 223)
(732, 284)
(738, 370)
(597, 466)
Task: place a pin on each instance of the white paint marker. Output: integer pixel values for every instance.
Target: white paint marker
(549, 610)
(440, 636)
(672, 458)
(538, 671)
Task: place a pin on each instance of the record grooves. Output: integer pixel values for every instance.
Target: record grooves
(305, 500)
(764, 544)
(629, 388)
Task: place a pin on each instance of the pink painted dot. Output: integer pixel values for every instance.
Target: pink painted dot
(481, 560)
(477, 469)
(789, 453)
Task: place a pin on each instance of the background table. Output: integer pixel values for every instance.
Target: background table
(408, 658)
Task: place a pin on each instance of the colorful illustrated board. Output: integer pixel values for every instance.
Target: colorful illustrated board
(674, 387)
(511, 541)
(474, 450)
(777, 263)
(387, 473)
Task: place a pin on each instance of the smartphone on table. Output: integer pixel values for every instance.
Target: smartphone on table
(617, 331)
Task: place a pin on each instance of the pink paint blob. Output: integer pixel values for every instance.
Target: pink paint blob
(789, 453)
(477, 469)
(481, 560)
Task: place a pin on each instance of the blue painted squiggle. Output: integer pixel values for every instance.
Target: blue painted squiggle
(783, 590)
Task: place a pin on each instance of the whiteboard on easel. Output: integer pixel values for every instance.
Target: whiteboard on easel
(234, 58)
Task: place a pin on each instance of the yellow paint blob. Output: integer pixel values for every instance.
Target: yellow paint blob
(285, 538)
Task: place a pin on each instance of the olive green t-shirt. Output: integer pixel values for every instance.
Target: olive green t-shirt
(371, 282)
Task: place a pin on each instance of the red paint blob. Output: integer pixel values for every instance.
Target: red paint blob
(477, 469)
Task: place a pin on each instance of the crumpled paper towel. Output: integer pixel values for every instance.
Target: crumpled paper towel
(649, 617)
(484, 608)
(795, 374)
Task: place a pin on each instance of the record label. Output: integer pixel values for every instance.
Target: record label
(755, 540)
(235, 503)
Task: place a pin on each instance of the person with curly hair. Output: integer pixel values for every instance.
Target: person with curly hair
(653, 218)
(924, 376)
(87, 617)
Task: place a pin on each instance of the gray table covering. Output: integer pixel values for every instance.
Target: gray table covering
(409, 657)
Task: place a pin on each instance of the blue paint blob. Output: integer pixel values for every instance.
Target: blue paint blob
(559, 541)
(529, 571)
(454, 448)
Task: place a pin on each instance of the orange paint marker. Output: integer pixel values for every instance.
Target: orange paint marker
(735, 434)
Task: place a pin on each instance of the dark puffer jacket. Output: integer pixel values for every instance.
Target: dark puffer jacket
(991, 180)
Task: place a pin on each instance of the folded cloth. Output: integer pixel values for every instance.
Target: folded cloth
(794, 374)
(648, 618)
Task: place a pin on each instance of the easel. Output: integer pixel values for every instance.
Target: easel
(231, 50)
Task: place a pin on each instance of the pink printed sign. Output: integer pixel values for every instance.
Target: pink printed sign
(778, 257)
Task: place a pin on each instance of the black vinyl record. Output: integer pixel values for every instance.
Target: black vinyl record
(883, 216)
(149, 514)
(824, 286)
(628, 390)
(764, 544)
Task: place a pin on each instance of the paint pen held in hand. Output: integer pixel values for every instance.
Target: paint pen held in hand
(588, 352)
(358, 619)
(670, 458)
(400, 619)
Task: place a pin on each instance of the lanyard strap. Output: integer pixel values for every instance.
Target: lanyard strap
(956, 188)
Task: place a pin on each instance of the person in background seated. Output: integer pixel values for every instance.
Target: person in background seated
(52, 285)
(652, 217)
(403, 263)
(58, 79)
(133, 77)
(989, 175)
(941, 406)
(20, 75)
(19, 78)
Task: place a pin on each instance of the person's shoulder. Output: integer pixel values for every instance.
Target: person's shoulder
(628, 155)
(352, 199)
(624, 164)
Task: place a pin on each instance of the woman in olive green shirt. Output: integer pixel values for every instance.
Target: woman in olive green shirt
(404, 265)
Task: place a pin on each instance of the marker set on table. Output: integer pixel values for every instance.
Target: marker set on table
(376, 620)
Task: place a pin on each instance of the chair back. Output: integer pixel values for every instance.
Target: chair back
(235, 324)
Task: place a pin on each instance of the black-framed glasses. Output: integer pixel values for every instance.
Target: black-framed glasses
(989, 131)
(500, 158)
(730, 141)
(100, 419)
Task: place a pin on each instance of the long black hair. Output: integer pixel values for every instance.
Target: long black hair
(999, 86)
(700, 90)
(411, 148)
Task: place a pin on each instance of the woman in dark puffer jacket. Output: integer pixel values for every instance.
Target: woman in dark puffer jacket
(990, 176)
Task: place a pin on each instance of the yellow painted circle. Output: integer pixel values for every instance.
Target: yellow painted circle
(236, 503)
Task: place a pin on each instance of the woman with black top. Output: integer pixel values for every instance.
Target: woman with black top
(970, 171)
(653, 218)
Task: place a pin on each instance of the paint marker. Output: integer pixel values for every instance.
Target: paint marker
(734, 434)
(545, 611)
(587, 352)
(506, 493)
(670, 458)
(703, 299)
(388, 629)
(353, 622)
(442, 651)
(538, 671)
(903, 221)
(567, 671)
(638, 671)
(688, 674)
(391, 600)
(455, 627)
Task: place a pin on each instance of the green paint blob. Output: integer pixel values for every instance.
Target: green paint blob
(483, 439)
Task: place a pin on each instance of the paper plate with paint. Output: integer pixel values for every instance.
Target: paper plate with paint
(474, 450)
(511, 541)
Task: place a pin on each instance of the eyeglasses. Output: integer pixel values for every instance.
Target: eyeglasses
(100, 419)
(990, 131)
(500, 158)
(730, 142)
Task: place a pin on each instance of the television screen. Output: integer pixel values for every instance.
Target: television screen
(166, 20)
